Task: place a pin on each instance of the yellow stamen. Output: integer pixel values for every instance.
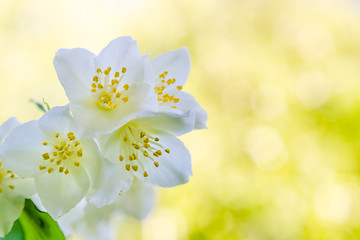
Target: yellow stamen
(135, 167)
(79, 152)
(127, 167)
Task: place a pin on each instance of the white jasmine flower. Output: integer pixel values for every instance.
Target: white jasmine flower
(63, 164)
(86, 221)
(106, 90)
(13, 189)
(171, 71)
(143, 147)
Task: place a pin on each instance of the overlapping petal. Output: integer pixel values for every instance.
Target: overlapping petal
(117, 181)
(22, 149)
(88, 221)
(174, 168)
(59, 193)
(171, 71)
(13, 189)
(10, 211)
(75, 68)
(7, 127)
(177, 63)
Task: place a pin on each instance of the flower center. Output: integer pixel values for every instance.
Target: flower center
(161, 89)
(107, 90)
(64, 152)
(137, 141)
(5, 174)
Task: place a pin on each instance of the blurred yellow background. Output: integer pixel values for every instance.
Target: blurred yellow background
(279, 79)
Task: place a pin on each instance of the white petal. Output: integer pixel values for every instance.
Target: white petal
(21, 151)
(92, 161)
(67, 222)
(118, 181)
(141, 101)
(147, 57)
(7, 127)
(138, 201)
(75, 69)
(177, 63)
(24, 187)
(37, 201)
(57, 119)
(174, 168)
(176, 124)
(188, 103)
(10, 209)
(93, 118)
(122, 52)
(59, 193)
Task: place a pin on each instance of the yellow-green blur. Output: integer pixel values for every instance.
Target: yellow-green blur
(279, 79)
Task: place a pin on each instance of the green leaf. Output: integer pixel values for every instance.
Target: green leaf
(44, 106)
(16, 233)
(33, 225)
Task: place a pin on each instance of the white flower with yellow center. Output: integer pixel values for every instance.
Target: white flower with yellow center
(143, 147)
(171, 71)
(63, 164)
(106, 90)
(13, 189)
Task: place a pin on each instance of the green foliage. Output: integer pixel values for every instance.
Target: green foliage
(44, 106)
(34, 225)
